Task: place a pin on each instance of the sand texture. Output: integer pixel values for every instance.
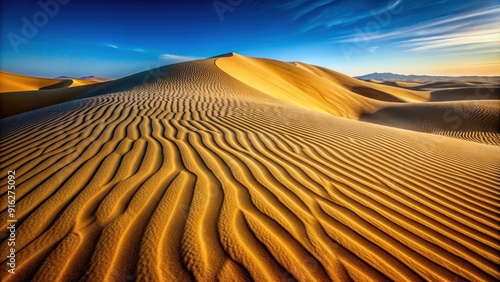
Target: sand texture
(238, 169)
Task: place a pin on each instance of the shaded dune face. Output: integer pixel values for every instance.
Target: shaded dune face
(476, 121)
(62, 84)
(196, 175)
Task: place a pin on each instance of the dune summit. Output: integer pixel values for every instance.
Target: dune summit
(234, 169)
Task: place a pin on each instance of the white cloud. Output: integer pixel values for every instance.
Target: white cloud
(468, 31)
(112, 46)
(176, 58)
(485, 35)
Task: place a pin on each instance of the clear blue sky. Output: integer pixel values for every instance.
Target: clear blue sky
(52, 38)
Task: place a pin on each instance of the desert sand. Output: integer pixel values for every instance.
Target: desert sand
(19, 93)
(10, 82)
(235, 168)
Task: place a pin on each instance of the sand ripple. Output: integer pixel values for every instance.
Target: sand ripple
(197, 175)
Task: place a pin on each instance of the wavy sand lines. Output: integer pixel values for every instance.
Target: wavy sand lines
(196, 175)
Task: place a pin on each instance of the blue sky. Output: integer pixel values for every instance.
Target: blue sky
(52, 38)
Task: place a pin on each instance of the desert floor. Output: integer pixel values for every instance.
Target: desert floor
(235, 168)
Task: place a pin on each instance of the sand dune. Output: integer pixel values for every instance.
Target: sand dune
(238, 169)
(13, 103)
(20, 94)
(451, 90)
(477, 121)
(10, 82)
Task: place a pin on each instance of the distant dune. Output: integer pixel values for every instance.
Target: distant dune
(236, 169)
(19, 94)
(10, 82)
(87, 80)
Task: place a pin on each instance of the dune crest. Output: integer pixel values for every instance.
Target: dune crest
(206, 171)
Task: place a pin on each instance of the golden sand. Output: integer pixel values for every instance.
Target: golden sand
(237, 169)
(10, 82)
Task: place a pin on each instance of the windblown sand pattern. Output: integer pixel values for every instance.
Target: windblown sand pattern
(233, 169)
(477, 121)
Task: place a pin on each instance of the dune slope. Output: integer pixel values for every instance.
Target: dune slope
(476, 121)
(13, 103)
(20, 94)
(194, 174)
(10, 82)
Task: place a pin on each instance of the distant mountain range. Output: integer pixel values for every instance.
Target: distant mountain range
(83, 77)
(401, 77)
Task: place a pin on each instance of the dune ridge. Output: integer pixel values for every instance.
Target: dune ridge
(205, 173)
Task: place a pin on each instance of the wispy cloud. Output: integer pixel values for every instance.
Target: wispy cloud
(311, 7)
(112, 46)
(470, 30)
(478, 39)
(171, 58)
(486, 63)
(139, 50)
(330, 14)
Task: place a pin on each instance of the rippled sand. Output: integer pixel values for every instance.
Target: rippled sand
(235, 168)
